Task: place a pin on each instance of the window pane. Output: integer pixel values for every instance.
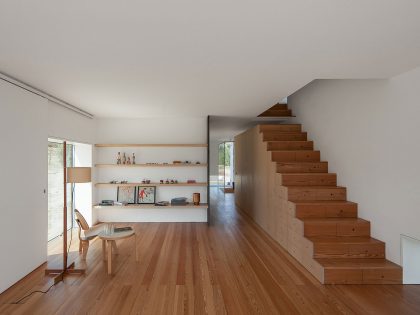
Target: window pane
(56, 189)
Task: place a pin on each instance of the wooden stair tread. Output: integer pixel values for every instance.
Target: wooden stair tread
(279, 106)
(276, 113)
(293, 141)
(285, 136)
(280, 132)
(294, 162)
(356, 263)
(268, 126)
(323, 202)
(289, 145)
(283, 132)
(314, 187)
(344, 239)
(335, 220)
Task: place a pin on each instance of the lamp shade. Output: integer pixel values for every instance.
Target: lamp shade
(78, 174)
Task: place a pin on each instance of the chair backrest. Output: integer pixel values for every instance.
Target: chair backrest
(81, 221)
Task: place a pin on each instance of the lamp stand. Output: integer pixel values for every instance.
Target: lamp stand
(67, 269)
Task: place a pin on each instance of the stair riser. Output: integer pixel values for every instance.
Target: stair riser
(343, 250)
(363, 276)
(308, 179)
(326, 211)
(299, 194)
(316, 167)
(336, 229)
(276, 113)
(290, 145)
(283, 128)
(295, 156)
(301, 136)
(280, 107)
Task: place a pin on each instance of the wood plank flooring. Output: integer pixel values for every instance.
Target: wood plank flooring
(230, 267)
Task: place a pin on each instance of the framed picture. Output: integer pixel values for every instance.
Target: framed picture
(126, 194)
(146, 194)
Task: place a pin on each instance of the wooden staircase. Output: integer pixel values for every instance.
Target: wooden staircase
(278, 110)
(324, 232)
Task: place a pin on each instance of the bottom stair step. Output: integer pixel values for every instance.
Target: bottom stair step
(360, 271)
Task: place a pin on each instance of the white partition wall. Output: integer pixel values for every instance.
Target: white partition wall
(23, 169)
(183, 140)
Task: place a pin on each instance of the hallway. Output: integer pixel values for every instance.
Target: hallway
(188, 268)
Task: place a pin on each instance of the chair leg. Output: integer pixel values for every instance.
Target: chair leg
(85, 249)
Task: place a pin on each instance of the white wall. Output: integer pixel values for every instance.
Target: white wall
(214, 161)
(23, 169)
(83, 191)
(26, 123)
(68, 125)
(179, 130)
(369, 132)
(410, 260)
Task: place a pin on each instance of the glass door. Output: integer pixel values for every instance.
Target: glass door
(221, 178)
(56, 188)
(226, 166)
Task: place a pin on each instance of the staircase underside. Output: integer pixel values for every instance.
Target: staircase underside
(306, 212)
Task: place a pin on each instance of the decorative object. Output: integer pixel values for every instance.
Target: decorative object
(177, 162)
(191, 181)
(162, 203)
(198, 162)
(179, 201)
(196, 199)
(126, 194)
(119, 158)
(106, 203)
(124, 159)
(134, 159)
(71, 175)
(146, 194)
(128, 161)
(167, 181)
(161, 181)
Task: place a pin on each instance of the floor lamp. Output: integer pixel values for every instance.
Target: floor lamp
(71, 175)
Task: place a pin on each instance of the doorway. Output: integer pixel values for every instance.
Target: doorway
(56, 189)
(79, 196)
(226, 167)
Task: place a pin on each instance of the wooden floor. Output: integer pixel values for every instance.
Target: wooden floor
(231, 267)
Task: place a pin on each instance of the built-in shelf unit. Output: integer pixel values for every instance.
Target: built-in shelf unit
(154, 162)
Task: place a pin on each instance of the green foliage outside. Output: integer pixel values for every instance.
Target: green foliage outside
(224, 153)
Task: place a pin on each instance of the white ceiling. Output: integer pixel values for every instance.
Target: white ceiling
(192, 57)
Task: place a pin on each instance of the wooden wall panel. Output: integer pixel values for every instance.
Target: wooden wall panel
(258, 192)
